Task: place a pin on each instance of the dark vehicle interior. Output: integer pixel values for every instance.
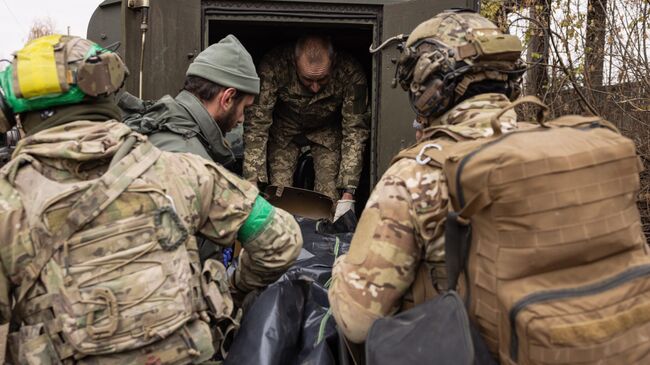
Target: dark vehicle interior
(260, 37)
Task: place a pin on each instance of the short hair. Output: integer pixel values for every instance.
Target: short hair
(205, 89)
(312, 46)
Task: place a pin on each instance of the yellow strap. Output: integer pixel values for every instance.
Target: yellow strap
(36, 68)
(4, 333)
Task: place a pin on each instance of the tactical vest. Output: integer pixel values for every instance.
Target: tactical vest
(112, 273)
(546, 233)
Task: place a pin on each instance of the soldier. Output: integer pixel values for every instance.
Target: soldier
(313, 97)
(99, 264)
(400, 236)
(219, 84)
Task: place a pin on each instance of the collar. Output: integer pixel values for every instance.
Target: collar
(210, 131)
(475, 107)
(471, 117)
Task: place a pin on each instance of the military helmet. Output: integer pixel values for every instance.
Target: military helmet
(444, 55)
(57, 70)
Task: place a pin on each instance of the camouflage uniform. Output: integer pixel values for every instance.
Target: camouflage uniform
(334, 122)
(402, 228)
(208, 200)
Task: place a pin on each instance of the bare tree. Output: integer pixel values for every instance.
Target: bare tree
(537, 77)
(41, 27)
(595, 42)
(598, 63)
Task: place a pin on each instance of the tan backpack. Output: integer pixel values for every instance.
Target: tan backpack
(545, 228)
(112, 259)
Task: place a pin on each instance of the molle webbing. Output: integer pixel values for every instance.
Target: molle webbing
(94, 200)
(539, 208)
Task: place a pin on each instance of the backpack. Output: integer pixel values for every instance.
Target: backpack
(111, 256)
(544, 226)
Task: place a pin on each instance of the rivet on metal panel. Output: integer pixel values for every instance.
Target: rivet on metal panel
(135, 4)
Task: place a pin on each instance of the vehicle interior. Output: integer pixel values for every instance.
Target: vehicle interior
(351, 38)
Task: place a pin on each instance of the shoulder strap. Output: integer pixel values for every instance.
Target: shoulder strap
(94, 200)
(433, 148)
(422, 287)
(428, 152)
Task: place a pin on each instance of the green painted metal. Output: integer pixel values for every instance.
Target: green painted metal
(178, 30)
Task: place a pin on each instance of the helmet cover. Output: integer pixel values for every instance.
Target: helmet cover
(445, 54)
(59, 70)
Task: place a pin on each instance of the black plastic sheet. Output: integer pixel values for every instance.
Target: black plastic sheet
(290, 322)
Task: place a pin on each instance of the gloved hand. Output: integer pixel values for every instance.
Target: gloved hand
(342, 207)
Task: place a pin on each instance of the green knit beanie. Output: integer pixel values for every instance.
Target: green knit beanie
(228, 64)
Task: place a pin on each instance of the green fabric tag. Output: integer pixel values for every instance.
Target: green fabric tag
(260, 216)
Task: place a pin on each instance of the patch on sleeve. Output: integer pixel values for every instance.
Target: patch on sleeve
(257, 220)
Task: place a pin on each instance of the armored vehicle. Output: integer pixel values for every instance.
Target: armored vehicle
(160, 38)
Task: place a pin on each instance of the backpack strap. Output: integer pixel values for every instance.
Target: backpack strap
(93, 201)
(541, 115)
(422, 287)
(424, 153)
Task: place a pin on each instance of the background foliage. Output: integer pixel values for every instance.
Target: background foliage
(592, 59)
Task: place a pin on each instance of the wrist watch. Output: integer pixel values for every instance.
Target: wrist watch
(349, 190)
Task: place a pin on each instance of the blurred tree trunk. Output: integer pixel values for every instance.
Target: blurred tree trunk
(537, 77)
(595, 43)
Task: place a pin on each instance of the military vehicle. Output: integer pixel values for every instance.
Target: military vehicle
(160, 38)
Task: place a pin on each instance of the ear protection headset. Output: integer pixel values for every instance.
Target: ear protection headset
(57, 70)
(429, 72)
(438, 62)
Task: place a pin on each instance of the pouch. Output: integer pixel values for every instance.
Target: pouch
(436, 330)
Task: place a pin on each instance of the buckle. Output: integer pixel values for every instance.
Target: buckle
(98, 332)
(166, 234)
(425, 161)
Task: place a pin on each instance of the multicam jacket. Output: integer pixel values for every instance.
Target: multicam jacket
(336, 114)
(402, 228)
(204, 198)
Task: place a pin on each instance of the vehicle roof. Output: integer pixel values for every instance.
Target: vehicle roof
(369, 2)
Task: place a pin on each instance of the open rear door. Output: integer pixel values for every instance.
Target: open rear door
(104, 27)
(173, 38)
(394, 130)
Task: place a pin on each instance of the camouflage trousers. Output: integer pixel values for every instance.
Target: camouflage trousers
(284, 159)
